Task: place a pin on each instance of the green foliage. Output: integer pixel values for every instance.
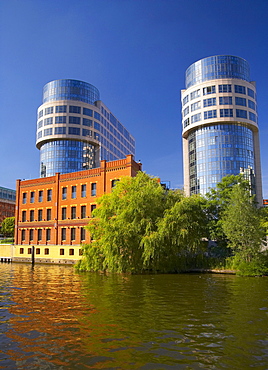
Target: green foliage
(258, 265)
(8, 226)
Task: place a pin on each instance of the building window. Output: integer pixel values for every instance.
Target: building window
(240, 89)
(251, 104)
(29, 250)
(114, 182)
(92, 207)
(252, 116)
(196, 118)
(74, 109)
(61, 108)
(37, 251)
(61, 252)
(195, 94)
(63, 213)
(32, 197)
(63, 234)
(251, 93)
(83, 190)
(86, 132)
(185, 100)
(49, 110)
(210, 114)
(83, 211)
(23, 216)
(88, 112)
(48, 234)
(82, 234)
(60, 131)
(185, 111)
(48, 214)
(31, 234)
(39, 234)
(73, 212)
(71, 252)
(22, 235)
(186, 122)
(74, 131)
(40, 215)
(74, 120)
(31, 215)
(40, 196)
(240, 101)
(195, 106)
(24, 198)
(47, 131)
(40, 114)
(64, 193)
(87, 122)
(73, 233)
(21, 250)
(226, 113)
(49, 195)
(209, 90)
(93, 189)
(209, 102)
(46, 250)
(225, 88)
(73, 192)
(241, 113)
(226, 100)
(48, 121)
(97, 116)
(60, 119)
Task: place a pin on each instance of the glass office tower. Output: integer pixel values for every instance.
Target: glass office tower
(219, 124)
(75, 130)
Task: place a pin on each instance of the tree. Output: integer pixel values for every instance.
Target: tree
(120, 222)
(8, 226)
(241, 222)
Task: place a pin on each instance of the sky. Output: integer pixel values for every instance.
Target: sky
(136, 53)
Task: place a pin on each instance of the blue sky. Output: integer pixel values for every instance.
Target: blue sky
(136, 53)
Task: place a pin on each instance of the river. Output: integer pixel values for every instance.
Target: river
(54, 318)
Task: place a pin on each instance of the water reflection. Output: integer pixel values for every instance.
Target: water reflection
(53, 318)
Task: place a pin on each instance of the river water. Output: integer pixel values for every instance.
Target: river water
(53, 318)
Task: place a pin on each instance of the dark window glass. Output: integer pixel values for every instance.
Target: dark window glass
(32, 197)
(73, 212)
(240, 101)
(240, 89)
(71, 251)
(83, 190)
(39, 234)
(40, 196)
(251, 93)
(92, 207)
(73, 192)
(37, 251)
(62, 250)
(63, 213)
(40, 215)
(74, 120)
(226, 113)
(60, 130)
(82, 236)
(31, 215)
(225, 88)
(31, 234)
(24, 198)
(23, 216)
(209, 90)
(93, 189)
(46, 251)
(49, 110)
(74, 131)
(73, 233)
(63, 234)
(74, 109)
(241, 113)
(226, 100)
(60, 119)
(88, 112)
(97, 115)
(48, 234)
(64, 193)
(48, 214)
(83, 211)
(61, 108)
(49, 195)
(87, 122)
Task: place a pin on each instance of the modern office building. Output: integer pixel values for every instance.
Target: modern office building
(75, 130)
(220, 124)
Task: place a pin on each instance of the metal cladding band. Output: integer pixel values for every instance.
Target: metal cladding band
(217, 67)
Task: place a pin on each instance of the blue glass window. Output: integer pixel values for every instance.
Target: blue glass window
(74, 120)
(240, 101)
(64, 197)
(88, 112)
(252, 116)
(185, 111)
(73, 191)
(96, 115)
(195, 94)
(74, 109)
(209, 102)
(226, 113)
(225, 88)
(196, 118)
(251, 104)
(74, 131)
(60, 130)
(240, 89)
(209, 90)
(97, 126)
(186, 123)
(93, 189)
(251, 93)
(185, 100)
(210, 114)
(39, 134)
(195, 106)
(61, 109)
(83, 190)
(241, 113)
(49, 110)
(87, 122)
(48, 131)
(60, 119)
(48, 121)
(40, 124)
(226, 100)
(40, 114)
(86, 132)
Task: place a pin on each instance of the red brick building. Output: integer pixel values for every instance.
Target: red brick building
(7, 203)
(54, 210)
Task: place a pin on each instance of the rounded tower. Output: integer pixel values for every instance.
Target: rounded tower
(220, 124)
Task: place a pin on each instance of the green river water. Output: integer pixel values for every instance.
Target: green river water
(53, 318)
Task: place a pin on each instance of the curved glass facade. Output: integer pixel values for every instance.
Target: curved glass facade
(70, 90)
(67, 156)
(217, 67)
(216, 151)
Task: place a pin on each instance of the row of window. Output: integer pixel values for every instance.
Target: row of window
(46, 250)
(41, 213)
(221, 89)
(47, 236)
(63, 119)
(72, 109)
(83, 193)
(240, 113)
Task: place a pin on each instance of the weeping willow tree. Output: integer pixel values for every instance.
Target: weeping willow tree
(141, 226)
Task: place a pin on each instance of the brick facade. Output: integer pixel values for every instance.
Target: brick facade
(54, 210)
(7, 209)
